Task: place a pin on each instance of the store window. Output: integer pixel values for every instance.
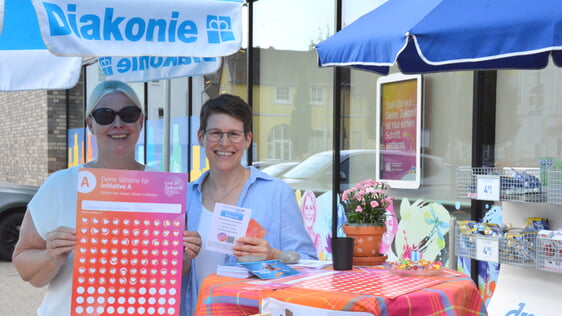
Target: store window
(528, 117)
(289, 124)
(422, 215)
(168, 155)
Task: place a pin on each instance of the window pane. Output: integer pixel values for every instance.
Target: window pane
(292, 104)
(445, 140)
(529, 102)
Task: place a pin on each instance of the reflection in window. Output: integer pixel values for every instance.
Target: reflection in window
(356, 140)
(311, 167)
(359, 166)
(279, 143)
(316, 96)
(529, 101)
(282, 95)
(320, 140)
(289, 87)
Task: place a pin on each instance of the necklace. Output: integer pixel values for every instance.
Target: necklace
(227, 194)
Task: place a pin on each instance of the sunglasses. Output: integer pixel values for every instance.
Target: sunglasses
(106, 116)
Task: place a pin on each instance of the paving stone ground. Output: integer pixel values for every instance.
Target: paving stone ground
(17, 298)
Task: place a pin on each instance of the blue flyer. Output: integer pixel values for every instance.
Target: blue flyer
(269, 269)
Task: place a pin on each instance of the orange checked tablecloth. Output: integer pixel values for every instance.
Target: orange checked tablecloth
(371, 290)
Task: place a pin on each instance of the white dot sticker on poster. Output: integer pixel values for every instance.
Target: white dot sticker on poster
(488, 187)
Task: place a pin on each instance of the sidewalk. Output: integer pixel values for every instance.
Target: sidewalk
(17, 298)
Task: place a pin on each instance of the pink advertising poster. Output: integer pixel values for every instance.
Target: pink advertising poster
(128, 260)
(399, 131)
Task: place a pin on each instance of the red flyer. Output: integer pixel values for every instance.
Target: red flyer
(255, 229)
(129, 228)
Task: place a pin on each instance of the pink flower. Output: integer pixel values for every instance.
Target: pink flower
(365, 203)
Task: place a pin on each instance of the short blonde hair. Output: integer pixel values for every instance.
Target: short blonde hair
(108, 87)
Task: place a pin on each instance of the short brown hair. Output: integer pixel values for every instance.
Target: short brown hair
(228, 104)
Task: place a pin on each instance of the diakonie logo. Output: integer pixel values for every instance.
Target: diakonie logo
(142, 63)
(118, 28)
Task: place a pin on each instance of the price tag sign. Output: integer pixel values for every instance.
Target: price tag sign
(488, 187)
(487, 249)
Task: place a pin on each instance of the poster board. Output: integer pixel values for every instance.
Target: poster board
(398, 130)
(129, 255)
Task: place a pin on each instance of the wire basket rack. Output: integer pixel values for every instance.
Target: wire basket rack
(518, 248)
(466, 244)
(549, 254)
(515, 248)
(516, 184)
(553, 186)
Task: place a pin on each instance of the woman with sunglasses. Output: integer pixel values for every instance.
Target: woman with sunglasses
(225, 133)
(44, 253)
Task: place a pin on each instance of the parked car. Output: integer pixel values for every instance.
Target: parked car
(262, 164)
(279, 169)
(13, 203)
(315, 174)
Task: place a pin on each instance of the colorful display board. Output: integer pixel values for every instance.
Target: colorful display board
(399, 130)
(129, 256)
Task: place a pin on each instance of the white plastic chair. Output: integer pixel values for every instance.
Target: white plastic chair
(276, 307)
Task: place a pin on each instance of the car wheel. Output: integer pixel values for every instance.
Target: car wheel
(9, 234)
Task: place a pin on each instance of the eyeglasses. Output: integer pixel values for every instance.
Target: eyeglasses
(215, 136)
(106, 116)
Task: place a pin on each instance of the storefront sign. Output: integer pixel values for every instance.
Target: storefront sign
(117, 28)
(148, 68)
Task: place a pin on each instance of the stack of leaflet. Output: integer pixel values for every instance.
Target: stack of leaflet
(233, 271)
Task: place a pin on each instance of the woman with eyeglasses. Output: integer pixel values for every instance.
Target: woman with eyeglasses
(225, 133)
(44, 253)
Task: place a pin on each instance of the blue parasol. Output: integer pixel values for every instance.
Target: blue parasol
(446, 35)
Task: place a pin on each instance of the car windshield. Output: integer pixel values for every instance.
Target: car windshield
(310, 167)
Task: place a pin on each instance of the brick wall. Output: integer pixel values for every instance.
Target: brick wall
(23, 137)
(33, 128)
(65, 110)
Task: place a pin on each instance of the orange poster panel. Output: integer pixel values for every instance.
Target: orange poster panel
(128, 260)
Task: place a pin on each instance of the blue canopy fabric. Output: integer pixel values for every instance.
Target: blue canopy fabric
(25, 61)
(43, 42)
(446, 35)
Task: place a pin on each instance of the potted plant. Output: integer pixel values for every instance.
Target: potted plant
(365, 207)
